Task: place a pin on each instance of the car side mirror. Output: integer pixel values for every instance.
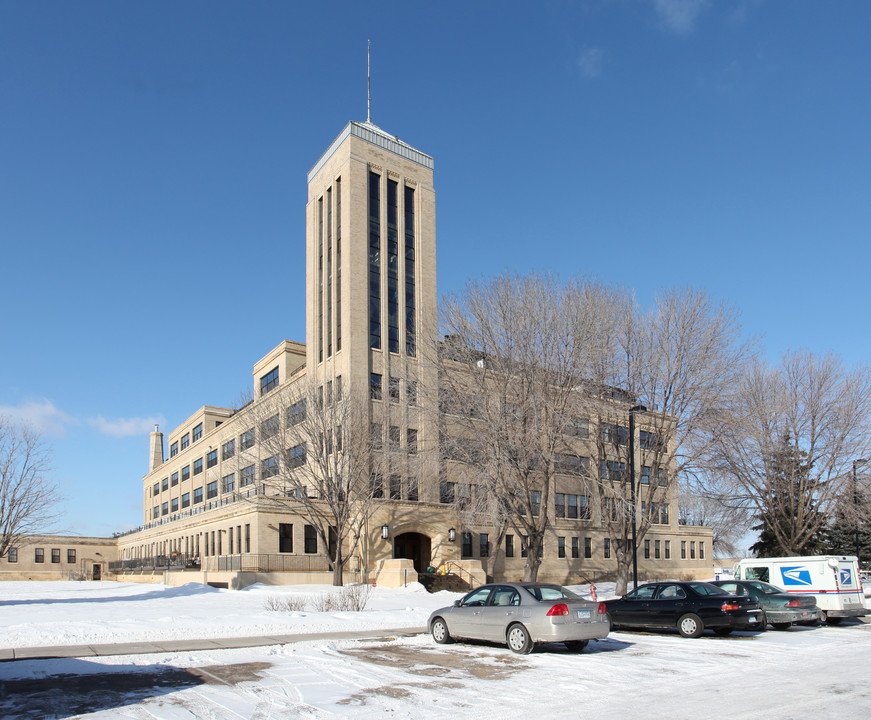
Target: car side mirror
(457, 603)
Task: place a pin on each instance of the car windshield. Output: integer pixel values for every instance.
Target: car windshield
(550, 592)
(706, 589)
(766, 588)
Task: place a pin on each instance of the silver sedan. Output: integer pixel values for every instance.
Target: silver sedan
(522, 615)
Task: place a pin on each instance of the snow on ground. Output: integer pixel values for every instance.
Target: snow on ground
(803, 672)
(34, 614)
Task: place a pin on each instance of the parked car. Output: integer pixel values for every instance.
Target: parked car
(780, 608)
(691, 607)
(522, 615)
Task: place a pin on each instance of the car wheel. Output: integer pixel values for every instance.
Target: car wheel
(576, 646)
(690, 625)
(440, 632)
(722, 631)
(781, 626)
(518, 639)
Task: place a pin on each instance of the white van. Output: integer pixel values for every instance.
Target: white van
(832, 579)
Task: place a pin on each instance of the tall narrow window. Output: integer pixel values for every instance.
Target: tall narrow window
(311, 540)
(329, 272)
(320, 279)
(410, 347)
(392, 268)
(338, 265)
(374, 260)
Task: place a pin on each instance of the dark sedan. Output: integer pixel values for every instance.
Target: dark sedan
(691, 607)
(781, 608)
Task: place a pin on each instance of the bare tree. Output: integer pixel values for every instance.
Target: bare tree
(323, 459)
(788, 438)
(679, 360)
(28, 499)
(715, 505)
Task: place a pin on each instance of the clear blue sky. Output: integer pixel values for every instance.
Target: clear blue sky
(153, 160)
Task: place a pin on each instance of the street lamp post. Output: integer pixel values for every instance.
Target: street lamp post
(632, 411)
(856, 463)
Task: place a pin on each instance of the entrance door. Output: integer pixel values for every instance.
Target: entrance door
(415, 547)
(97, 572)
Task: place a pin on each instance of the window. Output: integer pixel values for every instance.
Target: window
(668, 549)
(246, 476)
(647, 549)
(12, 555)
(612, 470)
(561, 546)
(374, 260)
(464, 495)
(571, 506)
(270, 427)
(447, 492)
(311, 540)
(683, 549)
(71, 557)
(395, 487)
(228, 449)
(571, 464)
(212, 490)
(186, 472)
(393, 437)
(408, 206)
(173, 449)
(198, 495)
(377, 483)
(651, 441)
(375, 435)
(198, 466)
(296, 456)
(535, 501)
(173, 505)
(269, 467)
(155, 512)
(285, 538)
(588, 547)
(411, 440)
(467, 544)
(645, 474)
(412, 489)
(701, 551)
(212, 458)
(247, 439)
(38, 555)
(185, 500)
(156, 489)
(185, 441)
(296, 412)
(174, 479)
(616, 434)
(165, 508)
(576, 551)
(606, 547)
(374, 386)
(578, 427)
(484, 545)
(339, 387)
(164, 484)
(393, 389)
(692, 549)
(656, 549)
(509, 546)
(247, 538)
(269, 381)
(411, 393)
(197, 432)
(228, 483)
(55, 555)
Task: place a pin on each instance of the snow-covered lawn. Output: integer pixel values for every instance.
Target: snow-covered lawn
(804, 672)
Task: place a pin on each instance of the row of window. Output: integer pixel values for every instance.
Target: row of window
(376, 391)
(39, 555)
(652, 549)
(329, 272)
(186, 440)
(285, 539)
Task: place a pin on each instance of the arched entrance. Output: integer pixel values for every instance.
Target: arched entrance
(414, 546)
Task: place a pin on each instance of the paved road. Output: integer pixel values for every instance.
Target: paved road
(142, 648)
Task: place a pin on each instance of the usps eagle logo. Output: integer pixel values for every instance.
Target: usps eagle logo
(796, 575)
(846, 577)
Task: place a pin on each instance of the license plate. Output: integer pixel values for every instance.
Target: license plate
(583, 614)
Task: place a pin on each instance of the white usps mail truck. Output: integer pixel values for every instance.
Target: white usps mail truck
(832, 579)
